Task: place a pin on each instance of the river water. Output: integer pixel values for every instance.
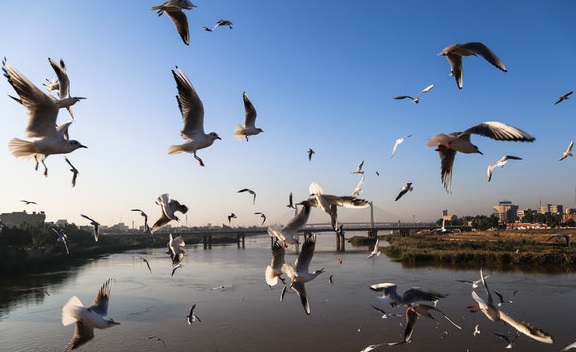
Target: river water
(240, 313)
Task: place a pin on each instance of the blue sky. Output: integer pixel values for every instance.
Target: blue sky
(321, 75)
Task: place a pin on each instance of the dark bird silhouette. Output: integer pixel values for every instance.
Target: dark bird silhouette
(28, 202)
(231, 216)
(146, 227)
(310, 152)
(404, 190)
(563, 235)
(191, 316)
(96, 225)
(145, 261)
(563, 97)
(249, 191)
(262, 216)
(74, 170)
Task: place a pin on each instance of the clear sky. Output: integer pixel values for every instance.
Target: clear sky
(321, 75)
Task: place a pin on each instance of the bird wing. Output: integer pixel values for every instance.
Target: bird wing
(42, 111)
(485, 52)
(190, 105)
(411, 317)
(82, 334)
(427, 89)
(63, 80)
(415, 294)
(500, 131)
(278, 253)
(570, 146)
(300, 290)
(401, 193)
(299, 220)
(178, 17)
(358, 188)
(527, 329)
(249, 112)
(446, 163)
(456, 68)
(404, 97)
(302, 263)
(398, 141)
(87, 217)
(100, 304)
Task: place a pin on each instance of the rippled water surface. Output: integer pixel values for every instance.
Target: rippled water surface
(240, 313)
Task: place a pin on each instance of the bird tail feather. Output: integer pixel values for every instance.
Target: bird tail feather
(239, 132)
(175, 149)
(21, 148)
(71, 310)
(271, 279)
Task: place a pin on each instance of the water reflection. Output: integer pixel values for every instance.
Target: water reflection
(240, 313)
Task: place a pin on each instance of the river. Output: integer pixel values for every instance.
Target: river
(240, 313)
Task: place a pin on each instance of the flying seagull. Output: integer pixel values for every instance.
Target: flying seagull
(561, 235)
(375, 251)
(223, 23)
(288, 234)
(359, 168)
(169, 209)
(503, 160)
(563, 97)
(249, 191)
(28, 202)
(448, 144)
(310, 152)
(414, 311)
(249, 128)
(158, 339)
(501, 299)
(62, 238)
(96, 225)
(330, 203)
(417, 99)
(274, 272)
(358, 188)
(173, 9)
(507, 339)
(74, 171)
(568, 151)
(146, 227)
(231, 216)
(398, 142)
(145, 261)
(404, 190)
(42, 112)
(191, 317)
(87, 318)
(455, 52)
(384, 314)
(192, 111)
(66, 101)
(408, 297)
(176, 250)
(262, 216)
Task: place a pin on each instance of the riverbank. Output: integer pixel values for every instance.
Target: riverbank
(533, 250)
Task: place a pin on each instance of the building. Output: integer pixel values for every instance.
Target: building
(507, 212)
(552, 209)
(22, 219)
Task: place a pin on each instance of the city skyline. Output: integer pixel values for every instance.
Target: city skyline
(320, 76)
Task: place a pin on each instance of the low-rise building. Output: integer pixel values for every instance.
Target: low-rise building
(23, 219)
(506, 211)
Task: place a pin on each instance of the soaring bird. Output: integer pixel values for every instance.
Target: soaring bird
(356, 192)
(563, 97)
(414, 311)
(173, 9)
(62, 238)
(249, 128)
(493, 313)
(96, 225)
(42, 113)
(231, 216)
(176, 250)
(417, 99)
(249, 191)
(404, 190)
(501, 162)
(561, 235)
(448, 144)
(28, 202)
(65, 101)
(192, 111)
(310, 153)
(397, 143)
(299, 274)
(169, 209)
(375, 251)
(507, 339)
(330, 203)
(568, 151)
(74, 171)
(262, 215)
(455, 52)
(145, 216)
(288, 234)
(145, 261)
(408, 297)
(359, 168)
(87, 318)
(223, 23)
(191, 317)
(274, 271)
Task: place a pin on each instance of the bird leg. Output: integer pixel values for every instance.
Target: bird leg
(282, 279)
(198, 158)
(474, 309)
(246, 138)
(36, 159)
(45, 167)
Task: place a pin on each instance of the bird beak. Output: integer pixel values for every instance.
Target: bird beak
(219, 138)
(83, 146)
(479, 152)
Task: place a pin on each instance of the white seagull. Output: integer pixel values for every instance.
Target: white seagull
(404, 190)
(191, 317)
(507, 339)
(176, 250)
(192, 111)
(398, 142)
(375, 250)
(74, 171)
(274, 270)
(42, 114)
(568, 151)
(455, 52)
(62, 238)
(417, 99)
(173, 9)
(503, 160)
(330, 203)
(359, 168)
(87, 318)
(384, 314)
(288, 234)
(358, 188)
(169, 208)
(223, 23)
(249, 128)
(408, 297)
(448, 144)
(96, 225)
(65, 101)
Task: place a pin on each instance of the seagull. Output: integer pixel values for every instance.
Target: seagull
(359, 168)
(455, 52)
(448, 144)
(62, 238)
(87, 318)
(375, 251)
(173, 9)
(384, 314)
(65, 101)
(501, 298)
(310, 152)
(299, 273)
(569, 347)
(223, 23)
(158, 339)
(330, 279)
(176, 250)
(42, 112)
(563, 235)
(192, 111)
(417, 99)
(398, 142)
(290, 201)
(191, 317)
(231, 216)
(404, 190)
(262, 216)
(249, 128)
(146, 227)
(507, 339)
(503, 160)
(74, 170)
(410, 296)
(96, 225)
(145, 261)
(568, 151)
(251, 192)
(288, 234)
(274, 270)
(474, 283)
(493, 313)
(476, 330)
(414, 311)
(169, 208)
(329, 203)
(28, 202)
(358, 188)
(563, 97)
(176, 267)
